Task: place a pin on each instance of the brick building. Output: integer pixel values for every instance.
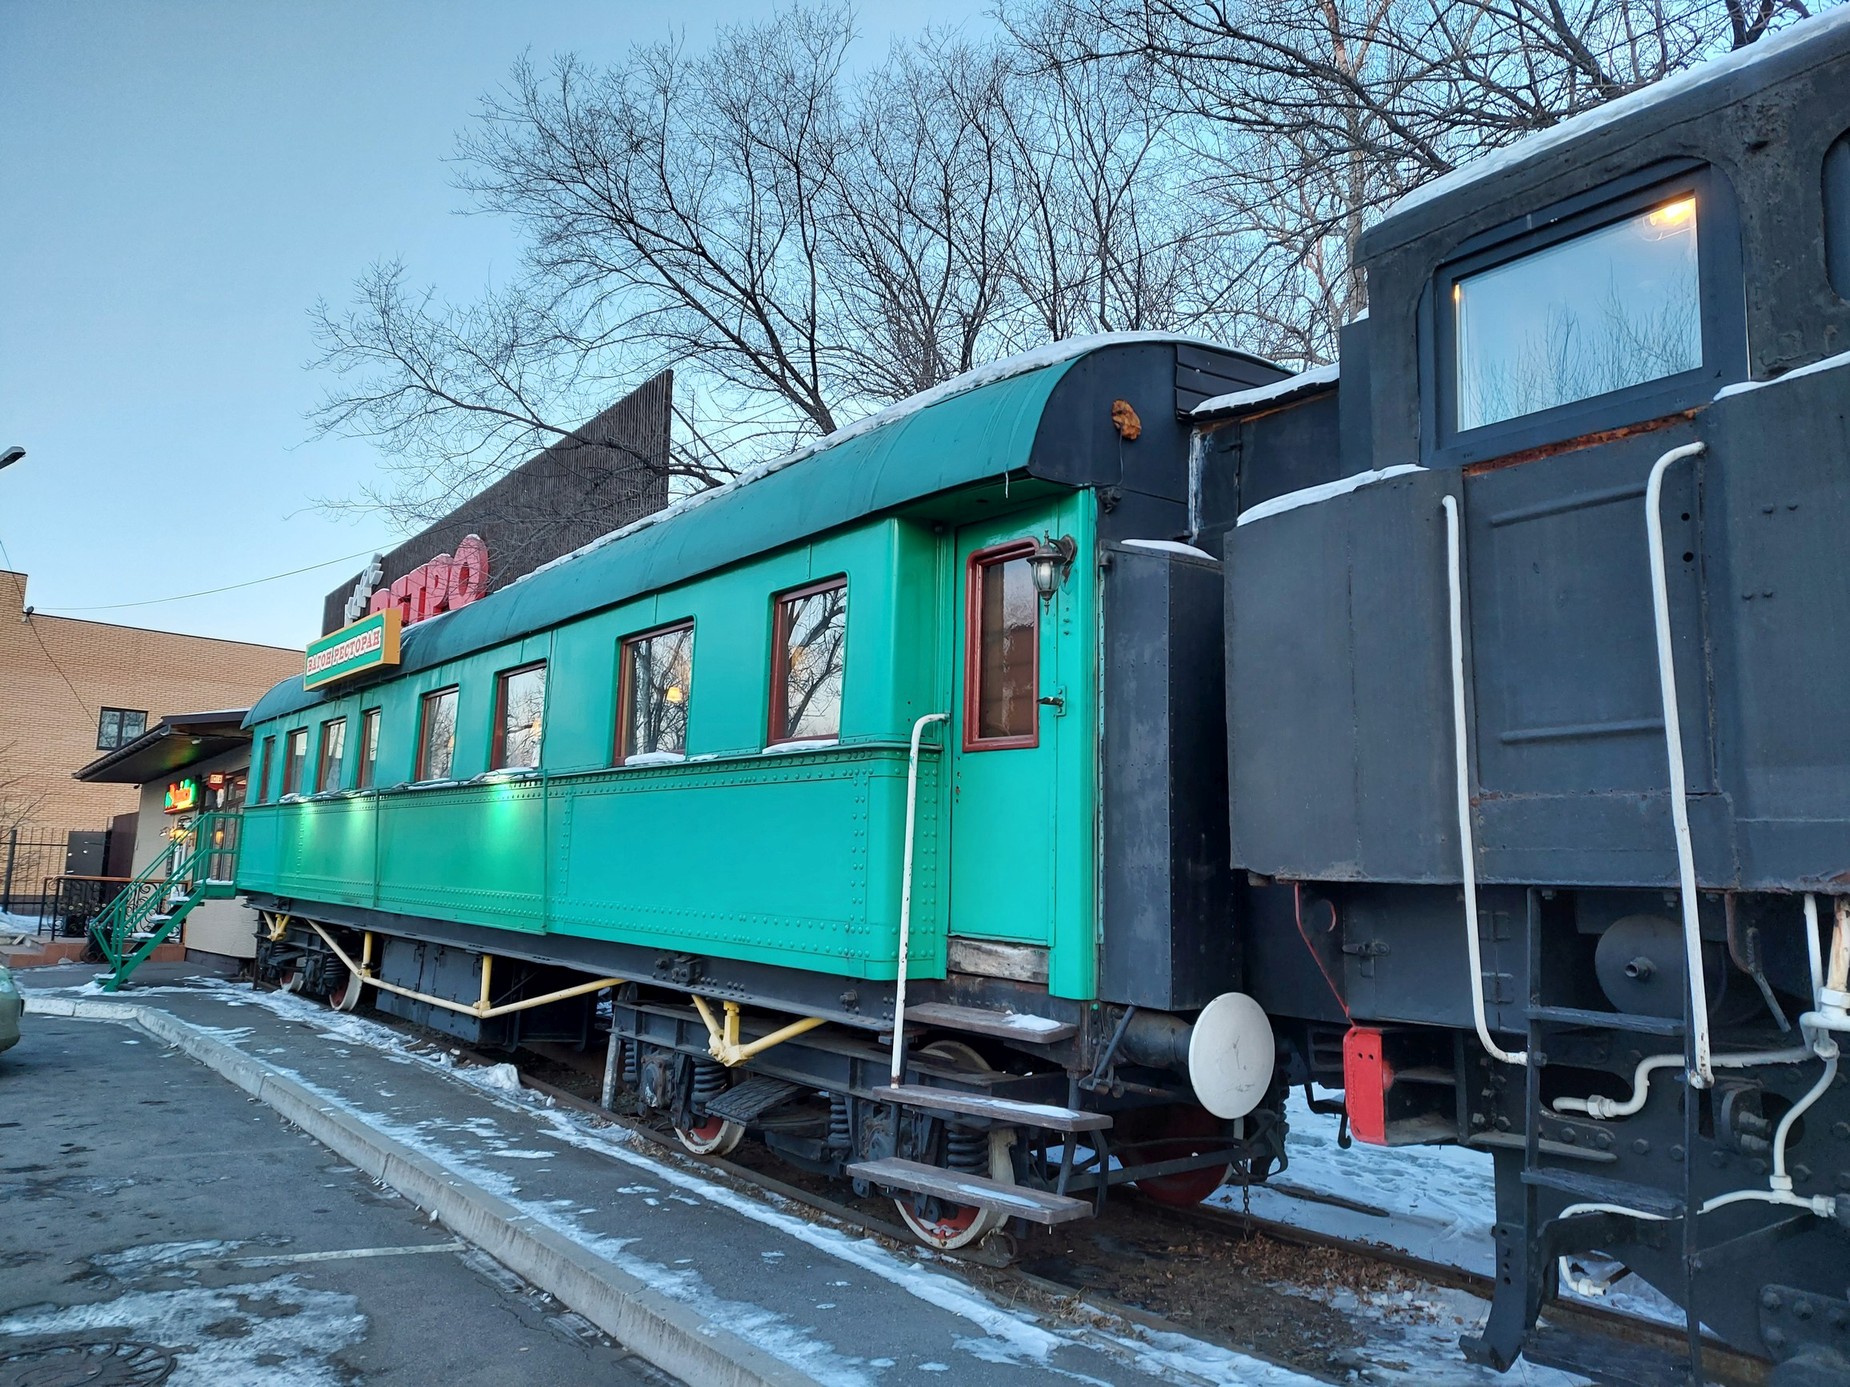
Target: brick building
(70, 689)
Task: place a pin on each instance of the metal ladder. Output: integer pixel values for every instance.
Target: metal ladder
(196, 865)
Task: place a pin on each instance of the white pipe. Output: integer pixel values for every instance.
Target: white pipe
(1597, 1106)
(1467, 849)
(1812, 950)
(1704, 1073)
(905, 890)
(1780, 1180)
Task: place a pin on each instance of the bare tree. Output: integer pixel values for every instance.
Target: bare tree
(1310, 117)
(19, 801)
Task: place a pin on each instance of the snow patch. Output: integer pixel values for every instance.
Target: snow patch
(1315, 378)
(1830, 363)
(1169, 546)
(803, 744)
(1324, 491)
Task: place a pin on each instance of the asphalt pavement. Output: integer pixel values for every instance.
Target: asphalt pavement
(158, 1226)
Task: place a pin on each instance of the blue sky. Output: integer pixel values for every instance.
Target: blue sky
(181, 182)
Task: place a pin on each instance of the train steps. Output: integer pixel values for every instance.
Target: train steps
(962, 1188)
(146, 913)
(1001, 1025)
(1004, 1111)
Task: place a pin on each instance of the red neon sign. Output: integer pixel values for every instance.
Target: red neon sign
(446, 583)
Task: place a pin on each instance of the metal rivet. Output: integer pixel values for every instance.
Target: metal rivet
(1769, 1299)
(1801, 1309)
(1676, 1153)
(1641, 1147)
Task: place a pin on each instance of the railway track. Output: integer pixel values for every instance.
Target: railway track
(1612, 1347)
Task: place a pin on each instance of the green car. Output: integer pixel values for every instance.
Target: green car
(11, 1005)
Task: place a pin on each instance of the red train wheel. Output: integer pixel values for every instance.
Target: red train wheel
(346, 994)
(713, 1137)
(1169, 1134)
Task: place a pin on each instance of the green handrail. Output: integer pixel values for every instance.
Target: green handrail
(164, 893)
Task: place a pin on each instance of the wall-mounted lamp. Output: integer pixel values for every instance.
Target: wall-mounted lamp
(1048, 556)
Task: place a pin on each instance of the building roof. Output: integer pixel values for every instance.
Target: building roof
(175, 742)
(979, 426)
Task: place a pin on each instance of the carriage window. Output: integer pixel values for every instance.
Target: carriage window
(437, 735)
(295, 760)
(369, 749)
(1837, 214)
(520, 703)
(1002, 669)
(1605, 310)
(266, 761)
(806, 659)
(333, 754)
(657, 679)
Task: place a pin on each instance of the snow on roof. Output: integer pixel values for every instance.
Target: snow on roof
(1577, 127)
(1830, 363)
(1313, 379)
(1323, 491)
(1052, 354)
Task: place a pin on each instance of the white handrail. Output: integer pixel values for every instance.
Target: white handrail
(1704, 1073)
(905, 890)
(1467, 848)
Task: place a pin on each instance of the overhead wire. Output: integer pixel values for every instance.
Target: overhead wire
(208, 592)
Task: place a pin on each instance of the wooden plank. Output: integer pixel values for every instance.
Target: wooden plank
(1006, 1025)
(958, 1187)
(1007, 1110)
(990, 958)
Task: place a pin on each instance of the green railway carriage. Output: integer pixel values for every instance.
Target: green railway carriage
(681, 762)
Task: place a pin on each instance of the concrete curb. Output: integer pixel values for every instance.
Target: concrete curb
(643, 1320)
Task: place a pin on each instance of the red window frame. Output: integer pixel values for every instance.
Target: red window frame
(367, 763)
(780, 655)
(294, 765)
(497, 746)
(321, 756)
(973, 648)
(423, 761)
(626, 682)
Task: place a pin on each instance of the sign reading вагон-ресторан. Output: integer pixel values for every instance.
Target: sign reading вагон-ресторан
(370, 643)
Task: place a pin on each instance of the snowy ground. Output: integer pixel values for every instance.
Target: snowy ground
(1435, 1203)
(12, 922)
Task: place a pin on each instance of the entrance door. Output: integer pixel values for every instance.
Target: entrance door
(1002, 741)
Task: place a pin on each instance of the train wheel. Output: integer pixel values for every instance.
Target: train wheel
(289, 980)
(1169, 1134)
(959, 1225)
(345, 995)
(713, 1137)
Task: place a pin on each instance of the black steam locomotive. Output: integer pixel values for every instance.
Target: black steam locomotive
(1538, 690)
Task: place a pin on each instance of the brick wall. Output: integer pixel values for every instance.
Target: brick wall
(48, 728)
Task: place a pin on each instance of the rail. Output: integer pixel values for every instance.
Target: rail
(197, 864)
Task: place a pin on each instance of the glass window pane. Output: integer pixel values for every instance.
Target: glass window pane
(369, 748)
(1609, 309)
(333, 752)
(1837, 214)
(659, 678)
(266, 762)
(813, 628)
(522, 703)
(133, 725)
(295, 761)
(1008, 634)
(437, 740)
(109, 729)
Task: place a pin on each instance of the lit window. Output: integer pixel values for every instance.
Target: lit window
(806, 673)
(117, 727)
(333, 752)
(266, 762)
(295, 760)
(1606, 310)
(369, 749)
(520, 703)
(1002, 669)
(437, 735)
(657, 686)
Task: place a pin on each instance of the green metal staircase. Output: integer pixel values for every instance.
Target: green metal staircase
(197, 865)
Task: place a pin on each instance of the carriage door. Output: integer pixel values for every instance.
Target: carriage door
(1001, 742)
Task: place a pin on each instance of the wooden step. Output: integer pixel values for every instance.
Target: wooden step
(960, 1187)
(1004, 1025)
(748, 1101)
(1004, 1110)
(1594, 1189)
(1609, 1020)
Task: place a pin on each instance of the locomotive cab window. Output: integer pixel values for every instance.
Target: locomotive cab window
(333, 754)
(295, 760)
(806, 662)
(369, 749)
(1837, 214)
(437, 734)
(520, 706)
(656, 691)
(1619, 311)
(1002, 658)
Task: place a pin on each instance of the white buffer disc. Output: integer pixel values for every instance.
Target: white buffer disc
(1231, 1054)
